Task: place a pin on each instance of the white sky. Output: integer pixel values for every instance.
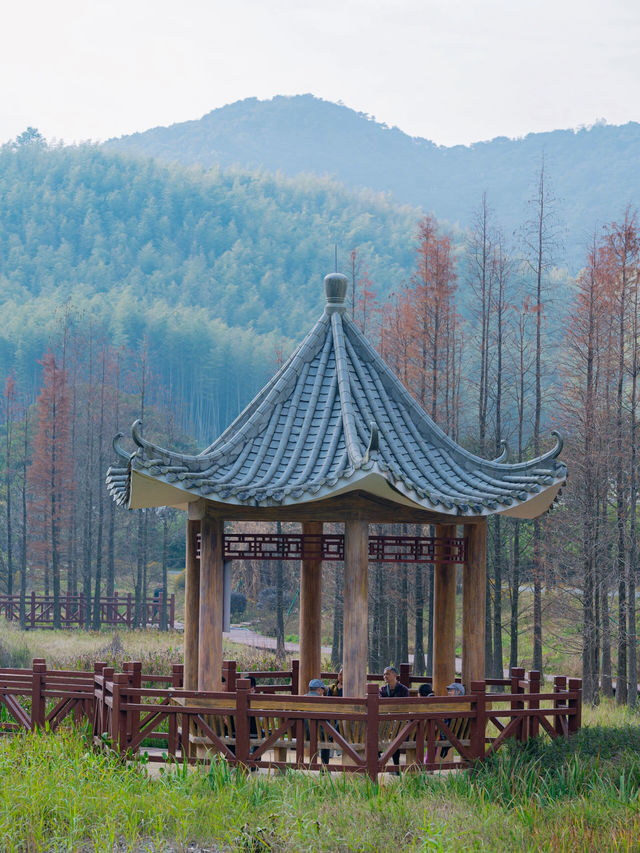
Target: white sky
(453, 71)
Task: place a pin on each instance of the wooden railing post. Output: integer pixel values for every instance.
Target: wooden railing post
(559, 687)
(517, 674)
(119, 722)
(371, 743)
(37, 693)
(177, 681)
(230, 672)
(575, 720)
(33, 609)
(177, 675)
(133, 668)
(172, 610)
(229, 675)
(108, 722)
(129, 611)
(98, 699)
(534, 702)
(405, 674)
(295, 677)
(478, 731)
(242, 720)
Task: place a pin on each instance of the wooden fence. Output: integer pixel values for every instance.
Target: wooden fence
(132, 712)
(114, 610)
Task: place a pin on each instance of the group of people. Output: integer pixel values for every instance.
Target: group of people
(391, 689)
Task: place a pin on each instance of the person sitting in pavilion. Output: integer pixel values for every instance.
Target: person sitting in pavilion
(393, 688)
(317, 688)
(453, 689)
(335, 689)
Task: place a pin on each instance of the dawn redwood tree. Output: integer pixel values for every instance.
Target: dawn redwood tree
(622, 255)
(541, 239)
(420, 340)
(23, 537)
(582, 419)
(490, 270)
(480, 265)
(50, 478)
(430, 295)
(10, 414)
(501, 273)
(522, 364)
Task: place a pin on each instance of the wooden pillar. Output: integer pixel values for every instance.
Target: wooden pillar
(191, 606)
(444, 619)
(356, 571)
(310, 611)
(474, 580)
(211, 604)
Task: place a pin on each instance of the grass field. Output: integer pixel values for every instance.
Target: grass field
(58, 794)
(579, 795)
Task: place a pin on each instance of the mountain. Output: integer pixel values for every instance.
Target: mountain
(216, 271)
(593, 171)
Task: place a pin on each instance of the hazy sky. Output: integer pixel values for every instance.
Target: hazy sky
(454, 71)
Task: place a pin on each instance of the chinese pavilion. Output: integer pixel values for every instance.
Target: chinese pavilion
(335, 437)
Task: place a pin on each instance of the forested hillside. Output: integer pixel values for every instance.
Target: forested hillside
(593, 171)
(131, 288)
(217, 271)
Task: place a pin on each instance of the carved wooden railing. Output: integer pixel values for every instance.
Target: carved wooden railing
(131, 712)
(116, 610)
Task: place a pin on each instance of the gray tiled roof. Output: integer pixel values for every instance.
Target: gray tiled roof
(335, 418)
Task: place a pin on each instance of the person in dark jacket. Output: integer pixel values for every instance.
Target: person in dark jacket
(392, 688)
(317, 688)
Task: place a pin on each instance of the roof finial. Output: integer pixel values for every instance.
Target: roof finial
(335, 247)
(335, 286)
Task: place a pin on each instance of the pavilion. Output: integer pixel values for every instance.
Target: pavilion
(335, 437)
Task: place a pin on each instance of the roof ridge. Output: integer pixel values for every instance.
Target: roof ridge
(344, 386)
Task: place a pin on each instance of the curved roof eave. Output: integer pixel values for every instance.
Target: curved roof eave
(147, 491)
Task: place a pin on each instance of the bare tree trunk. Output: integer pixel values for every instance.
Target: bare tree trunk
(23, 549)
(280, 651)
(632, 693)
(418, 646)
(515, 595)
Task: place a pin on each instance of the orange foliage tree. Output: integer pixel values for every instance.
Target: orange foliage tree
(51, 480)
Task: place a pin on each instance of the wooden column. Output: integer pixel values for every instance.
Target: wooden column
(211, 604)
(356, 571)
(444, 619)
(191, 607)
(310, 612)
(474, 579)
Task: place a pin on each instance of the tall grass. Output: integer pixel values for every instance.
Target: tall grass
(577, 795)
(76, 649)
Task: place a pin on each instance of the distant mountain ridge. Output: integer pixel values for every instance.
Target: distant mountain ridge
(593, 171)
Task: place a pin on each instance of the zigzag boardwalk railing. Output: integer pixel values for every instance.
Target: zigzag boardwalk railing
(39, 698)
(114, 610)
(132, 712)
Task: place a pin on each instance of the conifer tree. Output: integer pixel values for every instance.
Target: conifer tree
(51, 478)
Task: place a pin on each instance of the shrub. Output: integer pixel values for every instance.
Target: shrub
(238, 604)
